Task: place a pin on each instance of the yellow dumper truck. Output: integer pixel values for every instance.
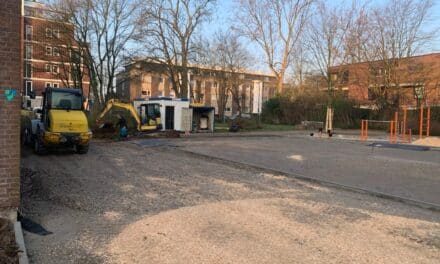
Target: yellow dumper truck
(59, 123)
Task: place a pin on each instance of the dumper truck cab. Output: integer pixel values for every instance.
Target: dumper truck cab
(61, 122)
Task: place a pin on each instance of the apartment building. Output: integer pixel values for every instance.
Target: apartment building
(146, 79)
(409, 82)
(48, 57)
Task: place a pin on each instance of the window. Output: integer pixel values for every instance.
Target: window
(215, 84)
(28, 87)
(75, 56)
(55, 51)
(28, 70)
(334, 77)
(48, 68)
(29, 12)
(55, 69)
(56, 33)
(28, 34)
(48, 85)
(48, 50)
(146, 92)
(48, 33)
(65, 100)
(28, 52)
(345, 76)
(55, 85)
(419, 91)
(241, 76)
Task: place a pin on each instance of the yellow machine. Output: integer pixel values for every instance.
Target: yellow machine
(147, 117)
(61, 122)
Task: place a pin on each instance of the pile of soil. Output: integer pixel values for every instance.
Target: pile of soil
(8, 247)
(106, 131)
(429, 141)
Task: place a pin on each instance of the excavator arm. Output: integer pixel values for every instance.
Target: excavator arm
(114, 103)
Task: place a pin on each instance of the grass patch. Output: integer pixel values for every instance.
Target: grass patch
(249, 125)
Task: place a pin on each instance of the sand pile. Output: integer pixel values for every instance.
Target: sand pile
(429, 141)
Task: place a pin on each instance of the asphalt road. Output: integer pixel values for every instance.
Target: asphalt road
(405, 173)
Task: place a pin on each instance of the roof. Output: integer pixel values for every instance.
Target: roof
(203, 67)
(364, 62)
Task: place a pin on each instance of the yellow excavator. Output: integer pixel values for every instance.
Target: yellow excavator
(147, 117)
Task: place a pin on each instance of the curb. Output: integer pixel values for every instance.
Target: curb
(396, 198)
(22, 255)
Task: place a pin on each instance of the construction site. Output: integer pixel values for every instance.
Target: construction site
(149, 173)
(173, 189)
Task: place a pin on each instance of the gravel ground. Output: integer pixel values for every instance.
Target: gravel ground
(8, 247)
(153, 203)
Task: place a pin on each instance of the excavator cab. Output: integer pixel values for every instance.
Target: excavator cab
(150, 116)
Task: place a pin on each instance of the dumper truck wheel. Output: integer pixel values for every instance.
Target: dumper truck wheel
(26, 137)
(82, 149)
(38, 147)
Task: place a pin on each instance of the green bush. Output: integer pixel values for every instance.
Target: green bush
(313, 108)
(347, 113)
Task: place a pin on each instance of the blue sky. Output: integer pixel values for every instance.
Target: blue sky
(224, 14)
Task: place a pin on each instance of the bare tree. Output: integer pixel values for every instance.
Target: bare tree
(275, 26)
(326, 37)
(398, 32)
(102, 31)
(168, 31)
(228, 58)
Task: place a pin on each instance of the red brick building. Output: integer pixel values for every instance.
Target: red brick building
(10, 80)
(406, 82)
(48, 57)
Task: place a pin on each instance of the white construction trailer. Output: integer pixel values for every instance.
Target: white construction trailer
(180, 115)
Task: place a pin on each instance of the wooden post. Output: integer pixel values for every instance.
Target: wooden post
(362, 129)
(421, 122)
(391, 131)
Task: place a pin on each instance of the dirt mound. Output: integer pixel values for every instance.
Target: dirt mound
(268, 231)
(429, 141)
(8, 247)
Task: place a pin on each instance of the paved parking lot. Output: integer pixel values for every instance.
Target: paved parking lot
(405, 173)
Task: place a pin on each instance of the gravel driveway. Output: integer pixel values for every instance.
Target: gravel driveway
(153, 203)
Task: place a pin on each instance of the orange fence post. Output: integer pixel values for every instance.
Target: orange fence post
(428, 120)
(364, 130)
(396, 125)
(404, 125)
(421, 122)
